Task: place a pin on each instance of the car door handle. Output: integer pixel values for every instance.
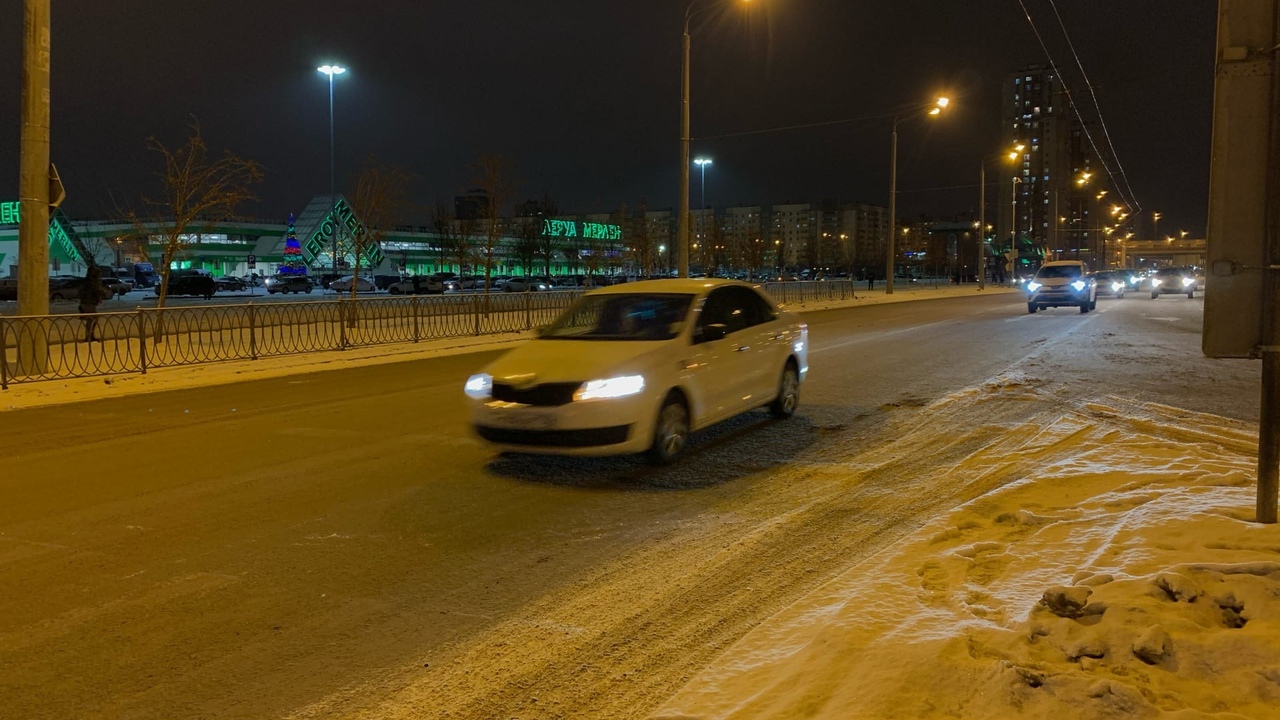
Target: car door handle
(780, 336)
(742, 348)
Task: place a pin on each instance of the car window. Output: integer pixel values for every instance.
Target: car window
(1058, 271)
(640, 316)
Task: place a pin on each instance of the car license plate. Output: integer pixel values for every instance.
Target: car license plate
(529, 419)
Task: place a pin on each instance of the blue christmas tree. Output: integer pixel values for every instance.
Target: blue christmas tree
(293, 263)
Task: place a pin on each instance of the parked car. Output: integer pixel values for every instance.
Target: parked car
(1110, 284)
(343, 284)
(230, 283)
(115, 286)
(382, 282)
(60, 288)
(524, 284)
(1173, 281)
(288, 284)
(639, 367)
(458, 284)
(417, 285)
(192, 283)
(1062, 282)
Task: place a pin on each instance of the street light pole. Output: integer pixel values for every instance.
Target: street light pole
(889, 264)
(682, 239)
(932, 110)
(332, 70)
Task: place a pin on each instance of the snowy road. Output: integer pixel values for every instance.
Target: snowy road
(336, 545)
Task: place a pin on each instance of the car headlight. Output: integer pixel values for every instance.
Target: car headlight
(618, 387)
(1117, 286)
(1079, 285)
(1033, 286)
(479, 386)
(1155, 282)
(1188, 281)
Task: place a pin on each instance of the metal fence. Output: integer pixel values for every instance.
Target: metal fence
(133, 342)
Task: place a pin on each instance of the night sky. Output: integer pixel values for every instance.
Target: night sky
(584, 95)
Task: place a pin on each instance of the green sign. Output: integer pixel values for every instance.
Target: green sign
(573, 229)
(341, 216)
(60, 231)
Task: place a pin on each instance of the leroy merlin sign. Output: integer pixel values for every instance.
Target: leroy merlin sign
(342, 221)
(574, 229)
(59, 228)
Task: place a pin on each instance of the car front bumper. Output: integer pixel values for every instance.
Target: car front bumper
(596, 428)
(1058, 296)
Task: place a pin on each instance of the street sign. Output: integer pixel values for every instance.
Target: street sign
(253, 262)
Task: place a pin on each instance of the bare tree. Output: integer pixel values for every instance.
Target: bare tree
(528, 242)
(448, 240)
(379, 201)
(547, 246)
(753, 253)
(495, 175)
(196, 194)
(643, 249)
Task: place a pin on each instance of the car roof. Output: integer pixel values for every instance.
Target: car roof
(1060, 263)
(669, 285)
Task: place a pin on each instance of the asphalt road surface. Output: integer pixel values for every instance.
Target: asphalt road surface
(338, 545)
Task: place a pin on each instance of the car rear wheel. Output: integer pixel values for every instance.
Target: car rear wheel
(784, 406)
(56, 296)
(671, 433)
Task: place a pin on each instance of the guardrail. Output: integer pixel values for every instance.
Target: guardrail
(115, 343)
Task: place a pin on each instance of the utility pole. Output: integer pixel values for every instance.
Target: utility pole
(33, 186)
(1241, 319)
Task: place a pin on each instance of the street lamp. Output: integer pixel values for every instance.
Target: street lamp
(1012, 155)
(933, 110)
(703, 163)
(332, 70)
(1155, 224)
(682, 239)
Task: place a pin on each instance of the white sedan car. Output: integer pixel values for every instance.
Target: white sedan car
(343, 284)
(639, 367)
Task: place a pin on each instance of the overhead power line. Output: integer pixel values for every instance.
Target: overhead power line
(1129, 199)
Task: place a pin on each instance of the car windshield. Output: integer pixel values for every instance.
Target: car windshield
(1169, 272)
(1059, 271)
(633, 316)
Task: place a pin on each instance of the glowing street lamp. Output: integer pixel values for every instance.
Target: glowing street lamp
(933, 110)
(332, 70)
(703, 163)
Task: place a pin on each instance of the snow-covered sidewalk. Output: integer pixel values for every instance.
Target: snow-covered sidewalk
(1122, 577)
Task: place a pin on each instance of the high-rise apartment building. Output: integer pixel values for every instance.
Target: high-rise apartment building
(1054, 181)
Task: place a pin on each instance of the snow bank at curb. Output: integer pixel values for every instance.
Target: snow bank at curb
(1122, 578)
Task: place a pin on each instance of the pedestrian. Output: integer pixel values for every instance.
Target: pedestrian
(92, 292)
(871, 280)
(417, 284)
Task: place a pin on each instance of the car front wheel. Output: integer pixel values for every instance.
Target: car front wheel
(1031, 308)
(1154, 295)
(1191, 294)
(671, 433)
(784, 406)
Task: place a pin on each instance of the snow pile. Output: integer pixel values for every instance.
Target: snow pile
(1123, 577)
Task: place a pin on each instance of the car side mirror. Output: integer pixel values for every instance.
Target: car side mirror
(713, 332)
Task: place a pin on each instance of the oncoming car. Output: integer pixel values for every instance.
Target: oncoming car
(1062, 282)
(639, 367)
(1173, 281)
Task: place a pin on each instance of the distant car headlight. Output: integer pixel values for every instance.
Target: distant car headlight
(1079, 285)
(1117, 286)
(611, 388)
(1188, 281)
(1155, 282)
(479, 386)
(1033, 286)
